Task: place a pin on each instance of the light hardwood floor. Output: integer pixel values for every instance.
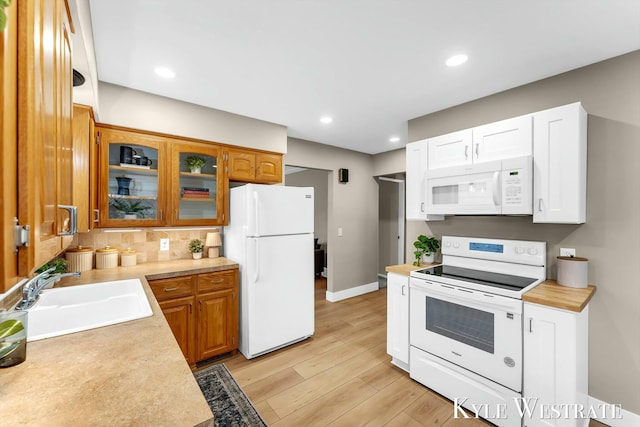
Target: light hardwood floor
(342, 375)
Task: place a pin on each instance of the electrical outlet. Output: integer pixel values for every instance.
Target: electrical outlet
(567, 252)
(164, 244)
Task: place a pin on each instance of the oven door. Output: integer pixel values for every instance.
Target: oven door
(473, 329)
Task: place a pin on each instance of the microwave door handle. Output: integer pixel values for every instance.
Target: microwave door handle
(496, 188)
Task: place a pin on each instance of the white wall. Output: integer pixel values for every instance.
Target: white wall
(352, 258)
(140, 110)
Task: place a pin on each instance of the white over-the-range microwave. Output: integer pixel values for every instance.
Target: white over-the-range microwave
(500, 187)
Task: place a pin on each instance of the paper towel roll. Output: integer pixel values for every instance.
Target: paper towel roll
(573, 271)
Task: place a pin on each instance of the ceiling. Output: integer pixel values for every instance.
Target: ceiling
(369, 64)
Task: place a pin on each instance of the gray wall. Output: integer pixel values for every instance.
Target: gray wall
(610, 239)
(352, 258)
(140, 110)
(319, 180)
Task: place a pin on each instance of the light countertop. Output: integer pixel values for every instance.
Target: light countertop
(132, 373)
(548, 293)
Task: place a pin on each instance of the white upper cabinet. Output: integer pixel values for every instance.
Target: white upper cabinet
(502, 140)
(560, 165)
(415, 192)
(452, 149)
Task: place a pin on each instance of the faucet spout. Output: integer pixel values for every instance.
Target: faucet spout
(31, 290)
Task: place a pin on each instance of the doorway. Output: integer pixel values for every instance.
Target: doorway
(391, 225)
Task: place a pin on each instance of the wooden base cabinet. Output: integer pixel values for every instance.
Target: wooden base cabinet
(202, 312)
(398, 319)
(555, 363)
(179, 315)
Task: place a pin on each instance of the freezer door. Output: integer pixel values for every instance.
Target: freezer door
(276, 210)
(277, 293)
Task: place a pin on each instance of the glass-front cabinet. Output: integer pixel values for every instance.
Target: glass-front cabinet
(132, 179)
(197, 184)
(154, 181)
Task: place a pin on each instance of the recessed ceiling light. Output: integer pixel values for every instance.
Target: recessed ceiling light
(394, 139)
(326, 119)
(456, 60)
(165, 72)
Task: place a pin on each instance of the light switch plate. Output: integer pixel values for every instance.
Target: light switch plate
(164, 244)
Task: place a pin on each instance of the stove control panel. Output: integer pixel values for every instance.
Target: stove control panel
(511, 251)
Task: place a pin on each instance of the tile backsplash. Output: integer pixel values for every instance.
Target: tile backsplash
(146, 243)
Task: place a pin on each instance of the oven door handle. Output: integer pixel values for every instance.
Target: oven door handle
(463, 296)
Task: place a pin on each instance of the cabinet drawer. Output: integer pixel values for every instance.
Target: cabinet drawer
(218, 280)
(174, 287)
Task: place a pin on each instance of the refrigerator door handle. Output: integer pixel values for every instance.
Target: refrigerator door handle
(256, 212)
(256, 276)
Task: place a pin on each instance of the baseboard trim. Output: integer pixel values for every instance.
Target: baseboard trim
(351, 292)
(626, 418)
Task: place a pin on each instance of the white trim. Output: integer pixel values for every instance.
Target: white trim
(13, 289)
(628, 419)
(351, 292)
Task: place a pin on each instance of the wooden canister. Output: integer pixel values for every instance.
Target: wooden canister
(80, 258)
(106, 257)
(573, 271)
(128, 257)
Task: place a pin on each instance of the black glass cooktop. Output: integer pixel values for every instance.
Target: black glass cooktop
(497, 280)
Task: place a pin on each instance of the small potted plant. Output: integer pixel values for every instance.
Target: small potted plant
(60, 265)
(131, 208)
(196, 247)
(426, 248)
(194, 163)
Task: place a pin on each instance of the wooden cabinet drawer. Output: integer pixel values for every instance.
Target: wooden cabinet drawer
(173, 287)
(219, 280)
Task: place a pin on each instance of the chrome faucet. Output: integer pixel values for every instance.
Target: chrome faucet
(31, 290)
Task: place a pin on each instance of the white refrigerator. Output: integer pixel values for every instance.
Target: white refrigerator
(270, 234)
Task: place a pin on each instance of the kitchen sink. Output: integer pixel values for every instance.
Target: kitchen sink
(61, 311)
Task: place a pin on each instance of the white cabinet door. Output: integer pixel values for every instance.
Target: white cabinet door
(452, 149)
(416, 158)
(398, 319)
(560, 165)
(502, 140)
(555, 363)
(415, 190)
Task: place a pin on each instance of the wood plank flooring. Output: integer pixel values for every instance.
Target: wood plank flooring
(342, 375)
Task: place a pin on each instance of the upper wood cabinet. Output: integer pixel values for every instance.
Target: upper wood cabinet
(145, 181)
(197, 198)
(9, 147)
(255, 167)
(44, 130)
(83, 191)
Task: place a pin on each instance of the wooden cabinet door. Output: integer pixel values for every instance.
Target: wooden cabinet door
(452, 149)
(43, 62)
(241, 166)
(84, 172)
(254, 166)
(181, 319)
(268, 168)
(147, 186)
(217, 320)
(196, 198)
(9, 147)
